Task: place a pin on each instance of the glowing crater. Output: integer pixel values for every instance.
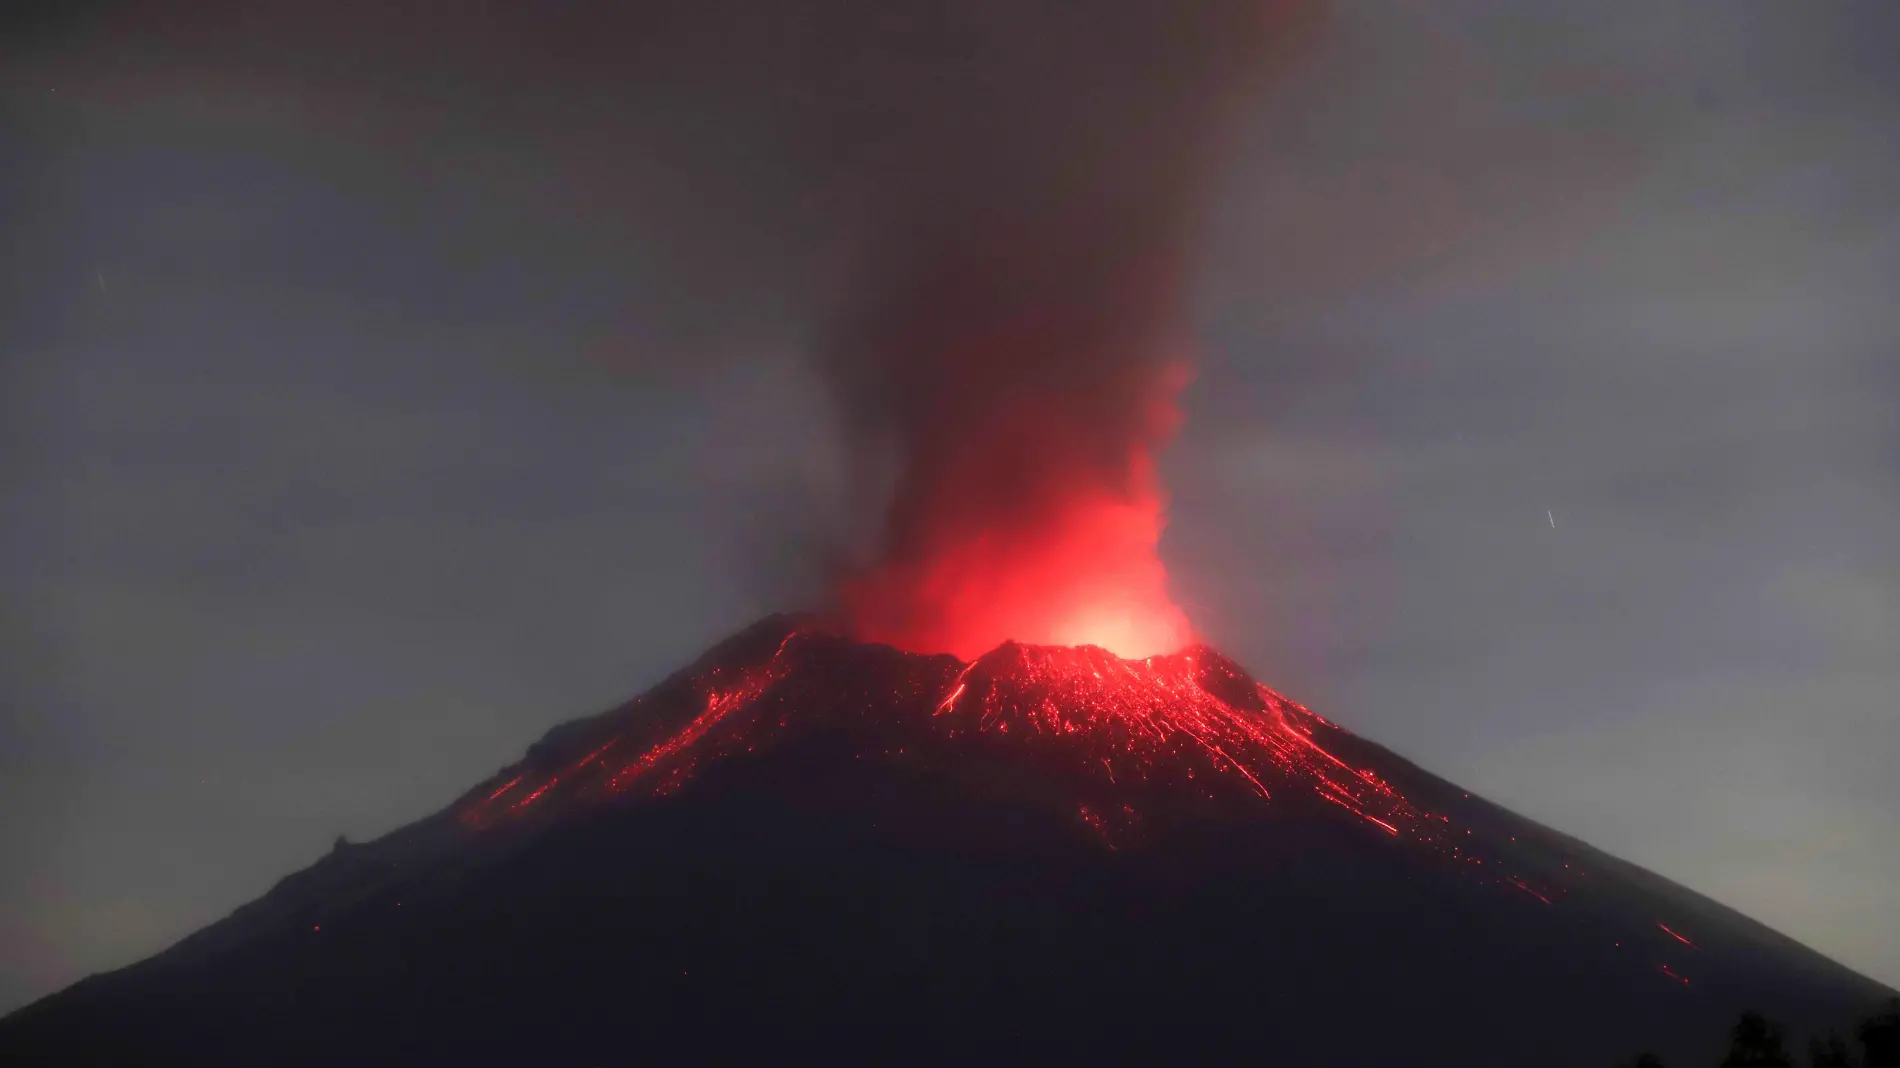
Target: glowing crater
(1189, 720)
(1111, 735)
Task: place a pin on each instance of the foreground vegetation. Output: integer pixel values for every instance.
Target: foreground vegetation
(1754, 1042)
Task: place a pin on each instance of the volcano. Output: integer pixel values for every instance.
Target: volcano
(809, 845)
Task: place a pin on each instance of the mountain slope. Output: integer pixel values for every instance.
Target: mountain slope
(805, 844)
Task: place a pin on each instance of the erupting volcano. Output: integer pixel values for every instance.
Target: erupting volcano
(1118, 732)
(995, 800)
(809, 844)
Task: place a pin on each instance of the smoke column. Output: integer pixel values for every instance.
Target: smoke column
(1012, 338)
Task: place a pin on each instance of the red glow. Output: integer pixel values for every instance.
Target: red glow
(1189, 720)
(719, 703)
(1064, 555)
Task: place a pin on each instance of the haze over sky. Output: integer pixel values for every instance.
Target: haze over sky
(377, 394)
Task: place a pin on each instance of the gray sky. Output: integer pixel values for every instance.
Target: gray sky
(355, 432)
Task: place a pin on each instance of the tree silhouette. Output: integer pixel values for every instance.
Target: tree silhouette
(1756, 1043)
(1831, 1052)
(1880, 1037)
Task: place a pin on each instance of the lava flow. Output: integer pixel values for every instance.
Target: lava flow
(1125, 748)
(1189, 723)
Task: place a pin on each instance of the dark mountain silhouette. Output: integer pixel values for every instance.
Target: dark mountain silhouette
(805, 846)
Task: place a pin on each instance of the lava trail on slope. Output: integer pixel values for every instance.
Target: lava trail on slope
(1118, 731)
(1131, 749)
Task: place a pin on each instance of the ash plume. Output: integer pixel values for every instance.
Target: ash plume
(1009, 339)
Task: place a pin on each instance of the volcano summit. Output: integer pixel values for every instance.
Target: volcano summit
(812, 845)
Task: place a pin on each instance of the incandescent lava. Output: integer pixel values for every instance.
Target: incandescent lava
(1126, 745)
(1116, 730)
(1128, 749)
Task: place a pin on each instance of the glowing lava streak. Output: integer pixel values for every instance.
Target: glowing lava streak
(1131, 747)
(1191, 720)
(1161, 719)
(1677, 937)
